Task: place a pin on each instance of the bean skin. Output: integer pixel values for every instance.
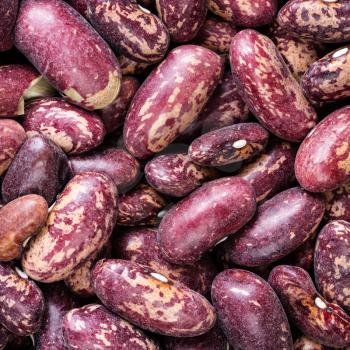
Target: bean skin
(240, 298)
(338, 203)
(8, 12)
(318, 319)
(151, 301)
(305, 343)
(4, 337)
(269, 88)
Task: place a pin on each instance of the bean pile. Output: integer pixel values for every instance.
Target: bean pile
(174, 174)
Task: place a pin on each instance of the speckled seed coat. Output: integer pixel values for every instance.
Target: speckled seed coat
(316, 318)
(151, 301)
(15, 79)
(78, 225)
(183, 18)
(328, 79)
(338, 203)
(272, 171)
(20, 219)
(216, 34)
(228, 145)
(118, 164)
(280, 225)
(22, 302)
(325, 152)
(87, 72)
(133, 30)
(39, 167)
(140, 245)
(176, 175)
(132, 67)
(140, 206)
(69, 127)
(246, 13)
(269, 88)
(8, 12)
(194, 225)
(305, 343)
(251, 315)
(12, 135)
(58, 302)
(114, 114)
(332, 262)
(94, 327)
(323, 21)
(170, 99)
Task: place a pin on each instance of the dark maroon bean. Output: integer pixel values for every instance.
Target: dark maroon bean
(332, 263)
(250, 312)
(22, 302)
(323, 159)
(140, 206)
(16, 342)
(216, 35)
(18, 83)
(8, 13)
(182, 18)
(316, 318)
(4, 337)
(338, 203)
(119, 165)
(248, 13)
(70, 127)
(113, 115)
(176, 175)
(78, 226)
(12, 136)
(94, 327)
(228, 145)
(272, 171)
(328, 79)
(198, 222)
(151, 301)
(133, 30)
(79, 5)
(40, 167)
(280, 225)
(305, 343)
(58, 302)
(321, 20)
(86, 72)
(171, 99)
(140, 245)
(269, 88)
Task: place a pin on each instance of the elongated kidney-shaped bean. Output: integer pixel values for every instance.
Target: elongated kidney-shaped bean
(119, 165)
(326, 153)
(140, 245)
(151, 301)
(22, 302)
(79, 224)
(170, 99)
(20, 219)
(20, 82)
(134, 31)
(280, 225)
(228, 145)
(241, 296)
(248, 13)
(332, 262)
(270, 172)
(198, 222)
(12, 135)
(8, 13)
(316, 318)
(58, 302)
(94, 326)
(86, 72)
(183, 19)
(40, 167)
(328, 79)
(322, 20)
(70, 127)
(176, 175)
(269, 88)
